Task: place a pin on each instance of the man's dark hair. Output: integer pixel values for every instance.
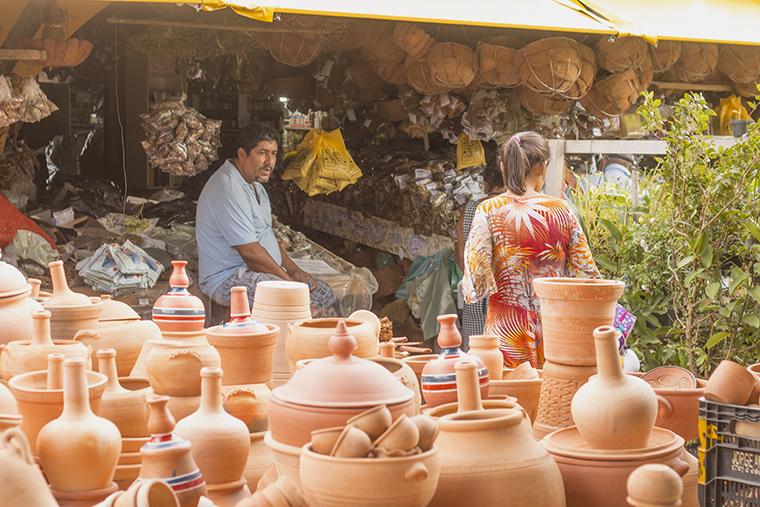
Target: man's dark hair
(250, 137)
(492, 174)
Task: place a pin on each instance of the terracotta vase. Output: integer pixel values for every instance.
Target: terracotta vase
(526, 391)
(558, 386)
(489, 456)
(571, 308)
(310, 339)
(654, 486)
(178, 310)
(328, 481)
(249, 404)
(70, 311)
(614, 410)
(78, 450)
(487, 349)
(39, 395)
(220, 442)
(21, 482)
(16, 304)
(31, 355)
(246, 346)
(168, 457)
(62, 294)
(126, 408)
(260, 459)
(174, 367)
(404, 373)
(730, 383)
(417, 364)
(438, 380)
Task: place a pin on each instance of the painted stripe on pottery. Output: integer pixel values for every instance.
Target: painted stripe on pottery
(440, 388)
(186, 481)
(178, 291)
(177, 311)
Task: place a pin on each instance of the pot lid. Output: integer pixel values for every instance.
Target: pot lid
(343, 380)
(568, 442)
(12, 281)
(116, 310)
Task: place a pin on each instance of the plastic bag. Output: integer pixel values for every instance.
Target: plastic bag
(470, 153)
(731, 108)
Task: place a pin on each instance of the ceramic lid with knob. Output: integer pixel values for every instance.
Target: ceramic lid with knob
(113, 310)
(12, 281)
(343, 380)
(240, 322)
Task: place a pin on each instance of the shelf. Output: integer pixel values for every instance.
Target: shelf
(300, 129)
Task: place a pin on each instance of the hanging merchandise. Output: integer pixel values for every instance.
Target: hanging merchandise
(63, 52)
(613, 95)
(740, 64)
(697, 62)
(470, 153)
(542, 104)
(34, 104)
(585, 81)
(493, 114)
(730, 109)
(621, 53)
(496, 65)
(412, 39)
(549, 65)
(180, 140)
(8, 103)
(452, 66)
(432, 113)
(665, 55)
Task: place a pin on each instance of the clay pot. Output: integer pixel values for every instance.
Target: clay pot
(571, 308)
(489, 456)
(133, 444)
(220, 442)
(654, 486)
(351, 443)
(730, 383)
(70, 311)
(559, 384)
(260, 459)
(613, 410)
(370, 318)
(487, 349)
(9, 414)
(62, 295)
(690, 481)
(374, 422)
(228, 494)
(404, 373)
(125, 408)
(526, 391)
(16, 304)
(309, 339)
(83, 498)
(323, 441)
(125, 475)
(402, 435)
(178, 310)
(246, 346)
(168, 457)
(78, 450)
(286, 458)
(282, 294)
(39, 395)
(597, 478)
(151, 493)
(438, 379)
(174, 366)
(427, 427)
(192, 338)
(334, 482)
(417, 364)
(249, 404)
(21, 483)
(31, 355)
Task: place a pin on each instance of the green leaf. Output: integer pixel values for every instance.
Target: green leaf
(706, 256)
(712, 290)
(605, 263)
(755, 293)
(716, 339)
(691, 276)
(685, 261)
(753, 229)
(752, 320)
(614, 231)
(738, 277)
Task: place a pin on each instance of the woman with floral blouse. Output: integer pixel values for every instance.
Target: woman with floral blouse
(517, 236)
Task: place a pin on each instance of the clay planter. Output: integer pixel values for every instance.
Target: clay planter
(220, 442)
(614, 410)
(21, 483)
(83, 498)
(39, 404)
(174, 367)
(16, 304)
(260, 459)
(597, 478)
(249, 404)
(559, 384)
(489, 456)
(438, 381)
(404, 373)
(279, 293)
(280, 365)
(31, 355)
(355, 482)
(178, 310)
(78, 451)
(526, 391)
(125, 408)
(730, 383)
(571, 308)
(487, 349)
(309, 339)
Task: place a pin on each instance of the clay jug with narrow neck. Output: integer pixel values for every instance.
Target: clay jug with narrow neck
(125, 408)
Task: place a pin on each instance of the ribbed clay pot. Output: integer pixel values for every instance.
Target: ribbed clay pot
(260, 459)
(558, 386)
(70, 311)
(249, 404)
(487, 349)
(78, 451)
(220, 442)
(571, 308)
(488, 457)
(127, 409)
(21, 482)
(614, 410)
(174, 367)
(409, 481)
(309, 339)
(526, 391)
(178, 310)
(16, 304)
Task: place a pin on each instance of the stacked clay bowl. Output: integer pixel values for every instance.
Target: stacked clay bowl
(70, 311)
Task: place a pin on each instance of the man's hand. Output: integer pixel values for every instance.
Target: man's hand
(302, 276)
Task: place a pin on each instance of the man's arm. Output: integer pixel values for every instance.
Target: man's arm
(296, 273)
(258, 259)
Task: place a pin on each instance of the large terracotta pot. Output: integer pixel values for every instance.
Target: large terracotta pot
(246, 346)
(174, 367)
(140, 369)
(16, 305)
(527, 392)
(21, 482)
(309, 339)
(487, 349)
(178, 310)
(559, 384)
(613, 410)
(260, 459)
(249, 404)
(571, 308)
(126, 408)
(329, 481)
(597, 478)
(78, 451)
(70, 311)
(39, 395)
(220, 442)
(31, 355)
(489, 457)
(286, 458)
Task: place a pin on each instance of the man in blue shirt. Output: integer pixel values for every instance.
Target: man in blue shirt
(236, 243)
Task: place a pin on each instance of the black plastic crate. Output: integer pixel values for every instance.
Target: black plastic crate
(728, 493)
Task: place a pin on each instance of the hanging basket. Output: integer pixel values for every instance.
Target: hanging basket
(621, 53)
(550, 65)
(339, 35)
(376, 42)
(393, 73)
(664, 55)
(583, 84)
(748, 90)
(63, 52)
(613, 95)
(696, 63)
(420, 78)
(452, 65)
(507, 41)
(294, 49)
(412, 39)
(542, 104)
(645, 73)
(496, 65)
(740, 64)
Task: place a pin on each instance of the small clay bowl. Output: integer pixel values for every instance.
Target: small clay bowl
(428, 429)
(352, 443)
(323, 441)
(730, 383)
(402, 435)
(374, 422)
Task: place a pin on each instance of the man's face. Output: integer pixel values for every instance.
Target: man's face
(259, 163)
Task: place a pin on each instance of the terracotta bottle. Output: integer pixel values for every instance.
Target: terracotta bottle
(487, 348)
(62, 295)
(178, 310)
(613, 410)
(79, 450)
(127, 409)
(168, 457)
(220, 442)
(468, 394)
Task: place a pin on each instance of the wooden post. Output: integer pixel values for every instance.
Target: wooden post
(556, 167)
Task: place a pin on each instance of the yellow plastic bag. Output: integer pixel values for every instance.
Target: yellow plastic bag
(731, 108)
(469, 153)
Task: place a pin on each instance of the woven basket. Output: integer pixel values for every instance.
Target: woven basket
(63, 52)
(542, 104)
(366, 80)
(496, 65)
(419, 77)
(621, 53)
(376, 42)
(550, 65)
(664, 55)
(584, 82)
(613, 95)
(294, 49)
(452, 65)
(697, 62)
(340, 35)
(740, 64)
(412, 39)
(748, 90)
(508, 41)
(393, 73)
(645, 73)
